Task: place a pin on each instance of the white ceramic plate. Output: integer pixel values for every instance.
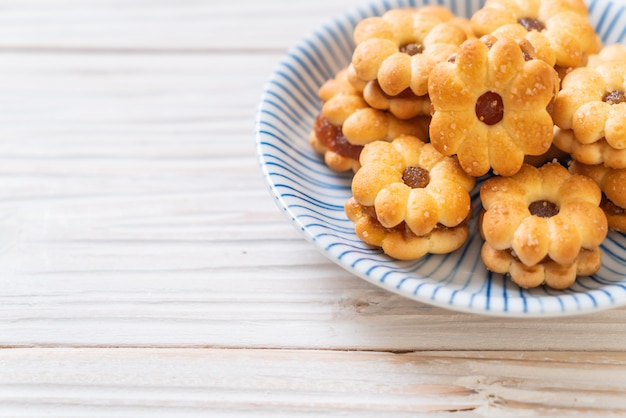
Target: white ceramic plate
(312, 196)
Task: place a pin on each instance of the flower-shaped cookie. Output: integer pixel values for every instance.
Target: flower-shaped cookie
(400, 242)
(551, 274)
(563, 22)
(405, 188)
(346, 123)
(542, 225)
(592, 103)
(401, 47)
(534, 44)
(405, 105)
(612, 182)
(599, 152)
(490, 106)
(608, 53)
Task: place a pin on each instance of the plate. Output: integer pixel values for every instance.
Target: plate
(312, 196)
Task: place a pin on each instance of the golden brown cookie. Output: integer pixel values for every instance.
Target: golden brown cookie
(346, 123)
(599, 152)
(407, 193)
(534, 44)
(490, 106)
(564, 23)
(551, 274)
(405, 105)
(612, 182)
(464, 24)
(542, 225)
(592, 105)
(399, 48)
(609, 53)
(399, 242)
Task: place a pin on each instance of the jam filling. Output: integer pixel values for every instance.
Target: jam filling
(489, 108)
(611, 208)
(614, 97)
(489, 41)
(543, 208)
(528, 51)
(411, 48)
(527, 56)
(416, 177)
(530, 23)
(404, 94)
(332, 137)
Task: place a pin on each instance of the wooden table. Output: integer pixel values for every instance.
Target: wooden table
(146, 271)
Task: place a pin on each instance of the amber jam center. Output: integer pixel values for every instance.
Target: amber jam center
(489, 108)
(404, 94)
(332, 137)
(416, 177)
(611, 208)
(614, 97)
(528, 52)
(543, 208)
(531, 23)
(411, 48)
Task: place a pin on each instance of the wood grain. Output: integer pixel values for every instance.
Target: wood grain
(184, 26)
(146, 271)
(190, 382)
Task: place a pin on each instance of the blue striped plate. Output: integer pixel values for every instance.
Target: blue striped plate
(312, 196)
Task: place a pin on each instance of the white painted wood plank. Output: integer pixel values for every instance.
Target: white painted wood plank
(163, 292)
(121, 93)
(197, 382)
(162, 25)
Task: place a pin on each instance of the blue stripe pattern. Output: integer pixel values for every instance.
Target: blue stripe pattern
(312, 196)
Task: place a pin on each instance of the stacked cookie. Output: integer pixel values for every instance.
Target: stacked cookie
(542, 225)
(590, 115)
(430, 102)
(346, 122)
(409, 199)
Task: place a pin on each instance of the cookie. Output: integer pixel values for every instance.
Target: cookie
(612, 182)
(542, 226)
(400, 242)
(400, 48)
(490, 106)
(346, 123)
(564, 23)
(409, 199)
(534, 44)
(549, 273)
(592, 105)
(609, 53)
(405, 105)
(599, 152)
